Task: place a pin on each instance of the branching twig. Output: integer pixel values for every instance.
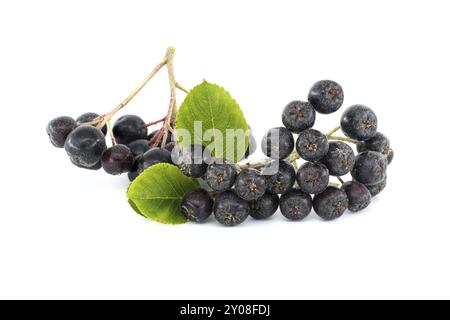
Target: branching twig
(342, 139)
(329, 134)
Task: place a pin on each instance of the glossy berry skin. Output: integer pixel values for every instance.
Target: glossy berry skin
(277, 143)
(390, 156)
(378, 143)
(358, 195)
(250, 184)
(312, 145)
(88, 117)
(229, 209)
(129, 128)
(283, 180)
(264, 207)
(339, 159)
(359, 122)
(295, 205)
(370, 168)
(331, 203)
(191, 160)
(197, 205)
(298, 116)
(117, 159)
(220, 176)
(312, 178)
(152, 157)
(377, 188)
(139, 147)
(59, 128)
(326, 96)
(85, 146)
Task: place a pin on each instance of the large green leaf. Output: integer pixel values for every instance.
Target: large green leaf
(157, 192)
(216, 109)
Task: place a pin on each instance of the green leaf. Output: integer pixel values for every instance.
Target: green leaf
(216, 109)
(157, 192)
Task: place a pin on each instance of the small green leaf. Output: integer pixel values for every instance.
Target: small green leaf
(157, 192)
(217, 111)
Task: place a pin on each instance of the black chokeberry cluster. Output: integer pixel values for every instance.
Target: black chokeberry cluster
(236, 192)
(86, 146)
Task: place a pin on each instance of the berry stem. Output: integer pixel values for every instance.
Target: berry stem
(179, 86)
(342, 139)
(340, 180)
(258, 164)
(110, 131)
(329, 134)
(154, 122)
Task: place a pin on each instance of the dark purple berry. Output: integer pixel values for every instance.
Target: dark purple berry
(277, 143)
(312, 178)
(282, 180)
(85, 146)
(326, 96)
(229, 209)
(264, 207)
(59, 128)
(129, 128)
(359, 122)
(312, 145)
(370, 167)
(331, 203)
(152, 157)
(358, 195)
(250, 184)
(192, 160)
(220, 176)
(117, 159)
(295, 205)
(197, 205)
(339, 159)
(88, 117)
(139, 147)
(378, 143)
(298, 116)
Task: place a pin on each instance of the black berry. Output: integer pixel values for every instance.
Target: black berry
(220, 176)
(298, 116)
(191, 160)
(264, 207)
(197, 205)
(326, 96)
(129, 128)
(277, 143)
(331, 203)
(295, 205)
(85, 146)
(229, 209)
(370, 167)
(250, 184)
(282, 180)
(358, 195)
(139, 147)
(152, 157)
(339, 159)
(117, 159)
(312, 178)
(378, 143)
(88, 117)
(390, 156)
(59, 128)
(312, 145)
(359, 122)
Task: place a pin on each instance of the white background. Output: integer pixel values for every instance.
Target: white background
(69, 233)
